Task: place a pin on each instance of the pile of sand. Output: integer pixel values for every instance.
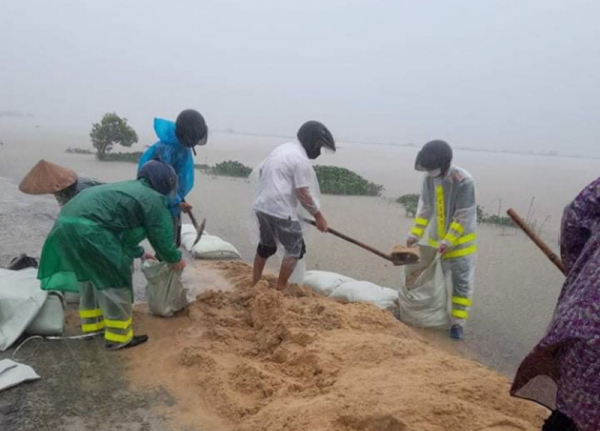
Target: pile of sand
(257, 359)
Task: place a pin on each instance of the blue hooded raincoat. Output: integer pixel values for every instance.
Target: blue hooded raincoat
(169, 150)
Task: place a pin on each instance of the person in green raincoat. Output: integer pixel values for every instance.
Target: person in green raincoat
(93, 244)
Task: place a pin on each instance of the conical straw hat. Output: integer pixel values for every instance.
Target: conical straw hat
(46, 177)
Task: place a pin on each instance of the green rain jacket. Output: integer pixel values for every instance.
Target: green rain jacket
(97, 236)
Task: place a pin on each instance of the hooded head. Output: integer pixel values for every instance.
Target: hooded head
(313, 136)
(161, 176)
(191, 129)
(434, 158)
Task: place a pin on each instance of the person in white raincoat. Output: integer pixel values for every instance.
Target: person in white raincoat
(448, 212)
(286, 178)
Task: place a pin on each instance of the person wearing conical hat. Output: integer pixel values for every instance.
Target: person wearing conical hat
(49, 178)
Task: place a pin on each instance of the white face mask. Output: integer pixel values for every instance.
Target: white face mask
(434, 173)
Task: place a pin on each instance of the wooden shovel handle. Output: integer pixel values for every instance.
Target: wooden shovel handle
(354, 241)
(536, 239)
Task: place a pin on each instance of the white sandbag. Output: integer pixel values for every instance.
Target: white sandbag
(20, 301)
(165, 292)
(209, 246)
(13, 374)
(50, 321)
(324, 282)
(423, 298)
(365, 291)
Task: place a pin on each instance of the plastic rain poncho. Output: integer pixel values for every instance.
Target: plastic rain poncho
(169, 150)
(447, 211)
(97, 233)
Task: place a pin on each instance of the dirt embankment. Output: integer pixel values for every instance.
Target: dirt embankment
(257, 359)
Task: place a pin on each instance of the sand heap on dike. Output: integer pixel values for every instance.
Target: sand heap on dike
(258, 359)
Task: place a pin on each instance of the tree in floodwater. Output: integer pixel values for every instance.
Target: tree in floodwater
(111, 130)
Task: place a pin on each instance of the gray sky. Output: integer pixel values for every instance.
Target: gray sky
(488, 74)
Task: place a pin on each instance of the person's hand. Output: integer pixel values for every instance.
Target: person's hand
(148, 256)
(321, 222)
(443, 248)
(178, 266)
(411, 242)
(185, 207)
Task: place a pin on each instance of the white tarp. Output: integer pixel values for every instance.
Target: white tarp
(209, 246)
(324, 282)
(12, 374)
(20, 301)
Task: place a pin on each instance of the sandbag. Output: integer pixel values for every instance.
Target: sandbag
(51, 318)
(423, 298)
(165, 292)
(324, 282)
(209, 246)
(20, 301)
(365, 291)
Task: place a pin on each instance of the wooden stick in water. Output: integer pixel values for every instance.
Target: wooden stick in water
(536, 239)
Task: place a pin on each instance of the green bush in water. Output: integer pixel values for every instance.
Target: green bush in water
(341, 181)
(231, 168)
(72, 150)
(411, 201)
(133, 157)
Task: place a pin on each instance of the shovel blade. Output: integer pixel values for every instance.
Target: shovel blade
(200, 231)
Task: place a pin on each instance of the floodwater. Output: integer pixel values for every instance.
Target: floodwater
(516, 286)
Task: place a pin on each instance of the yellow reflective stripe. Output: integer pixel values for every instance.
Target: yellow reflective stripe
(457, 227)
(460, 314)
(466, 302)
(92, 327)
(118, 338)
(439, 193)
(460, 253)
(118, 324)
(417, 231)
(89, 314)
(433, 243)
(451, 239)
(421, 221)
(467, 238)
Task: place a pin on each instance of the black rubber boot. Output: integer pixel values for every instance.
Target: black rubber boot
(135, 341)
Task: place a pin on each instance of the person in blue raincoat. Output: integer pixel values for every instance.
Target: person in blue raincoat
(176, 143)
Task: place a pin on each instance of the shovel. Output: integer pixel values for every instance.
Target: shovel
(199, 230)
(399, 256)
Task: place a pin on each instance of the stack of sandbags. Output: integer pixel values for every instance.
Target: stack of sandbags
(209, 246)
(346, 289)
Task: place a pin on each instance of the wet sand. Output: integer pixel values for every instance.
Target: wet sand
(516, 286)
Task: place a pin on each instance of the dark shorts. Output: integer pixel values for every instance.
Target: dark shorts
(287, 232)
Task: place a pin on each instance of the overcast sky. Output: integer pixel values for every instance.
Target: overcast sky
(517, 74)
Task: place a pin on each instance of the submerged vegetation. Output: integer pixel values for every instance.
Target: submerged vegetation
(332, 180)
(410, 203)
(341, 181)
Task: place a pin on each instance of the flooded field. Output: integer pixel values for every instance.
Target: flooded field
(516, 286)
